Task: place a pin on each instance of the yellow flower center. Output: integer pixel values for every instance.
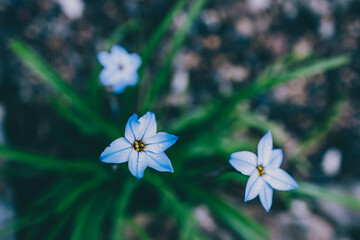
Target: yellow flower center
(121, 67)
(138, 145)
(260, 170)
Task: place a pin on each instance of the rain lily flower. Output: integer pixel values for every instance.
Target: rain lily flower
(264, 171)
(141, 147)
(120, 68)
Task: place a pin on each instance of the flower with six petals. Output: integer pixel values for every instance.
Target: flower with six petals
(264, 171)
(120, 68)
(141, 147)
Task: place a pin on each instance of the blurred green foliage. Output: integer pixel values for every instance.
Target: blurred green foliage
(84, 201)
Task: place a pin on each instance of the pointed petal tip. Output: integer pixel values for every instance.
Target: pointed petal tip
(295, 185)
(103, 156)
(117, 47)
(134, 114)
(232, 162)
(119, 90)
(169, 169)
(100, 54)
(268, 132)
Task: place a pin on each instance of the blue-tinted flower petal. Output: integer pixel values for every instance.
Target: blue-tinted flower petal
(117, 152)
(137, 163)
(264, 149)
(244, 162)
(147, 127)
(118, 157)
(279, 179)
(135, 60)
(159, 161)
(253, 186)
(119, 87)
(132, 79)
(108, 77)
(105, 59)
(266, 195)
(276, 158)
(159, 142)
(118, 52)
(131, 125)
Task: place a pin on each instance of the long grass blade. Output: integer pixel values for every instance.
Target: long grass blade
(175, 45)
(325, 194)
(119, 217)
(41, 69)
(49, 163)
(158, 34)
(216, 109)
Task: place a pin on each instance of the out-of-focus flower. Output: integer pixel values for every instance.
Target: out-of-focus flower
(264, 171)
(120, 68)
(73, 9)
(141, 147)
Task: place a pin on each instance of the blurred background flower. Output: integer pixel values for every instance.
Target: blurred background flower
(120, 68)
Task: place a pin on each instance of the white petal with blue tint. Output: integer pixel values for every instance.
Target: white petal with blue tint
(159, 162)
(108, 78)
(105, 59)
(264, 149)
(116, 152)
(264, 170)
(244, 162)
(135, 60)
(118, 157)
(266, 195)
(119, 87)
(137, 163)
(118, 51)
(159, 142)
(131, 125)
(279, 179)
(253, 186)
(276, 158)
(147, 127)
(131, 80)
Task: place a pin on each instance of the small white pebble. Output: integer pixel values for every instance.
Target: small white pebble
(73, 9)
(259, 5)
(203, 217)
(331, 162)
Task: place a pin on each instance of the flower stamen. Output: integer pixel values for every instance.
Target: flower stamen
(260, 170)
(138, 145)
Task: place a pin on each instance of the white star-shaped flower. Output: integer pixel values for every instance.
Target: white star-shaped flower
(264, 171)
(141, 147)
